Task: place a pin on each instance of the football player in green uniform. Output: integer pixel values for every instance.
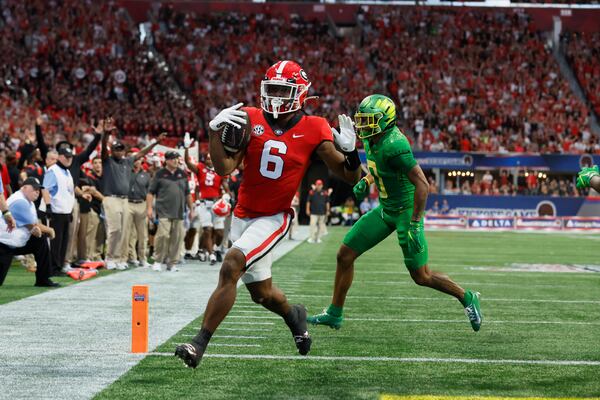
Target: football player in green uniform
(589, 177)
(403, 193)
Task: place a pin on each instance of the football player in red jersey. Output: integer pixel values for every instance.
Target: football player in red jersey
(282, 140)
(210, 186)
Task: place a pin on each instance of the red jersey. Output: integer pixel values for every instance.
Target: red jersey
(275, 162)
(209, 182)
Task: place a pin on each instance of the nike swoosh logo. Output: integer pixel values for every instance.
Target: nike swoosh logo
(297, 136)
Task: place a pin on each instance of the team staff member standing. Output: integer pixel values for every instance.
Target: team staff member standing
(137, 220)
(94, 236)
(26, 238)
(82, 197)
(317, 207)
(171, 190)
(59, 198)
(116, 176)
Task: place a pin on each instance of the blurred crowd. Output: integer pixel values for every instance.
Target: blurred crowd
(462, 79)
(583, 53)
(473, 81)
(502, 183)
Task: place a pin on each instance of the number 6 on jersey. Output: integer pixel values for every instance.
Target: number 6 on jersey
(271, 165)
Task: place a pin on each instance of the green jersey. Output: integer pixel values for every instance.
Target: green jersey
(389, 161)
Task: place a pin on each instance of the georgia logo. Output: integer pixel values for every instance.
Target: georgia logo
(258, 130)
(303, 75)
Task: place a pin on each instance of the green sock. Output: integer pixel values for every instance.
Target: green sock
(335, 310)
(468, 298)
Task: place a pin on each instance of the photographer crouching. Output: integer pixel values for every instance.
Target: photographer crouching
(28, 235)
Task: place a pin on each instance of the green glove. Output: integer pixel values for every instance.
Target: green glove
(586, 175)
(361, 189)
(415, 237)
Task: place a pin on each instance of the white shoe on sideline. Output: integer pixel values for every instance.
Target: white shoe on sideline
(144, 264)
(157, 267)
(110, 264)
(122, 266)
(319, 241)
(66, 268)
(172, 268)
(311, 240)
(134, 263)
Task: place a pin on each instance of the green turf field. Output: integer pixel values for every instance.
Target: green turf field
(19, 283)
(540, 336)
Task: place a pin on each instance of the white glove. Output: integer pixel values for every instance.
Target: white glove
(226, 197)
(346, 137)
(187, 141)
(231, 115)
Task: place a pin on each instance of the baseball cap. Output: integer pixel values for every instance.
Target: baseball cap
(117, 145)
(33, 182)
(64, 148)
(170, 155)
(318, 182)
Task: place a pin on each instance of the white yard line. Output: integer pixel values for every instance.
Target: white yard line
(395, 359)
(232, 337)
(439, 321)
(221, 328)
(408, 282)
(450, 298)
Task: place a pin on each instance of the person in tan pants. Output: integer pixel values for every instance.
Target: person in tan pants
(317, 207)
(116, 177)
(171, 191)
(137, 220)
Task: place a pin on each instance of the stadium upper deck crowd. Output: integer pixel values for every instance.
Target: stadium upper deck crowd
(463, 80)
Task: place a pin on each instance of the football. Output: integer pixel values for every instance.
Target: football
(236, 139)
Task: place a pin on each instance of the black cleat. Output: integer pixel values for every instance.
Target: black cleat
(190, 353)
(219, 256)
(299, 330)
(47, 283)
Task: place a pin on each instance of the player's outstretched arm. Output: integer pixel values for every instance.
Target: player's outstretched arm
(417, 178)
(347, 167)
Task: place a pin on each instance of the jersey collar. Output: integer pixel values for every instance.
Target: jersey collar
(289, 125)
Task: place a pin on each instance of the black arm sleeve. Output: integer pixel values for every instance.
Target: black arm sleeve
(39, 137)
(85, 155)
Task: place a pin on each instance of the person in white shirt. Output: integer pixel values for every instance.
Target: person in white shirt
(59, 199)
(27, 237)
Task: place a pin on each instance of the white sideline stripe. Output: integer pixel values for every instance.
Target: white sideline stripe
(244, 329)
(448, 298)
(226, 345)
(443, 321)
(392, 359)
(232, 337)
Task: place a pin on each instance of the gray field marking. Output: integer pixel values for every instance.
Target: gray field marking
(72, 342)
(394, 359)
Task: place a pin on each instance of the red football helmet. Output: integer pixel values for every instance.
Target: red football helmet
(222, 207)
(284, 88)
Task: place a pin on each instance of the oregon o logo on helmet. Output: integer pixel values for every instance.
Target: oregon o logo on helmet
(303, 75)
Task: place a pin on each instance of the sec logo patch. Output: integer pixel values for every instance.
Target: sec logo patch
(258, 130)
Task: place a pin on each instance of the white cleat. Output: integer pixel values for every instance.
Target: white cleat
(157, 267)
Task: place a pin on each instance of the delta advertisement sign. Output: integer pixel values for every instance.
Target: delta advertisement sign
(515, 223)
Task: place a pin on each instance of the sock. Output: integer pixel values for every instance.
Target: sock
(335, 310)
(467, 299)
(291, 318)
(202, 338)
